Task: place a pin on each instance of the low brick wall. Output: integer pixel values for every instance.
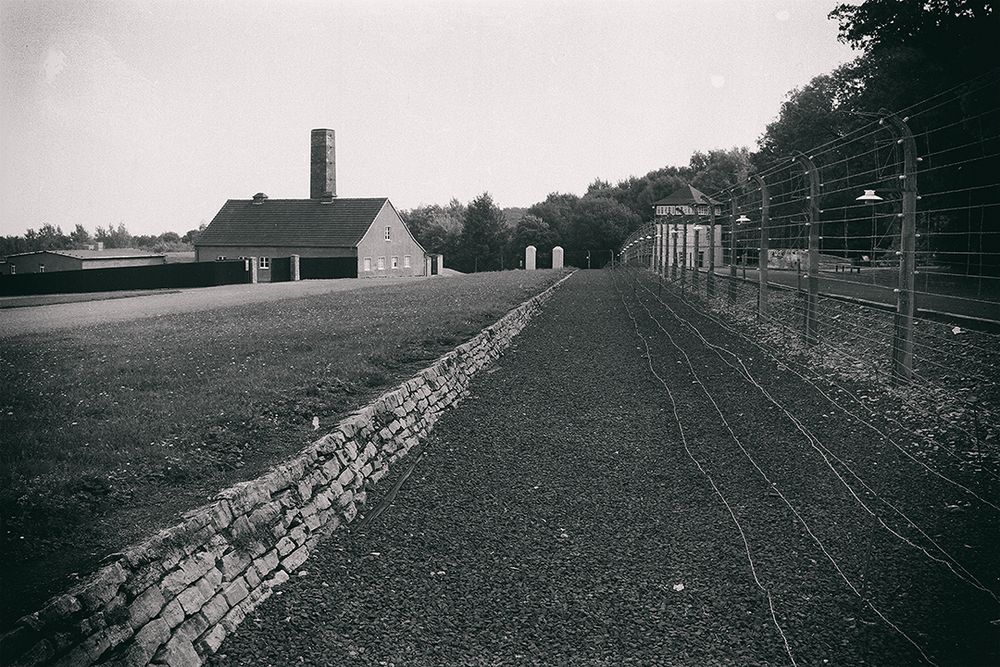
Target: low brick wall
(172, 599)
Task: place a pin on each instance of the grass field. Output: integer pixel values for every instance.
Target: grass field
(109, 431)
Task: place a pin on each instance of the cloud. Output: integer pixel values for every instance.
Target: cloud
(782, 15)
(718, 81)
(55, 62)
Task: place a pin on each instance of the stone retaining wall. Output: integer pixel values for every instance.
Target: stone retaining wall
(172, 599)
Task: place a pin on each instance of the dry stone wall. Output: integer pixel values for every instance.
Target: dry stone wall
(172, 599)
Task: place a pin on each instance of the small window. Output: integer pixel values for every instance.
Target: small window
(222, 258)
(13, 269)
(381, 263)
(368, 264)
(263, 262)
(388, 233)
(395, 263)
(41, 268)
(406, 261)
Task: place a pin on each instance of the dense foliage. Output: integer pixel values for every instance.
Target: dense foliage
(932, 61)
(49, 237)
(597, 221)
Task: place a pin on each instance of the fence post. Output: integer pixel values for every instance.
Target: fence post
(673, 251)
(732, 248)
(694, 256)
(812, 295)
(762, 255)
(684, 251)
(710, 285)
(902, 339)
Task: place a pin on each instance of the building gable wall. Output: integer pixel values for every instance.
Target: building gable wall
(400, 245)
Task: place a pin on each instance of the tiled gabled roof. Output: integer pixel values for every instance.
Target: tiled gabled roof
(686, 196)
(292, 222)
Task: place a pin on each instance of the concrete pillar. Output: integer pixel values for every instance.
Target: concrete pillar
(295, 268)
(557, 257)
(253, 270)
(427, 265)
(529, 258)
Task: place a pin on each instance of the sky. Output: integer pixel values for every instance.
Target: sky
(154, 113)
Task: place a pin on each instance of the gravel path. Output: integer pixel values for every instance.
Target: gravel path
(559, 515)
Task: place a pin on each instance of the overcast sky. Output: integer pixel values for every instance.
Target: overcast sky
(154, 113)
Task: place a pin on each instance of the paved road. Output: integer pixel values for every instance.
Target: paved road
(37, 319)
(557, 518)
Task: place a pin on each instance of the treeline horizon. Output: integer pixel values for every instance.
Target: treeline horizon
(905, 58)
(52, 237)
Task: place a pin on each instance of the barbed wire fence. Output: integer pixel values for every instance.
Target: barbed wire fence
(876, 255)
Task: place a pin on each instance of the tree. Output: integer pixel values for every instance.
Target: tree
(556, 211)
(484, 236)
(436, 228)
(114, 237)
(80, 237)
(51, 238)
(599, 223)
(532, 230)
(719, 169)
(961, 32)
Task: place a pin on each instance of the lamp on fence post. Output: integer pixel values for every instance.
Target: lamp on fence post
(869, 197)
(812, 295)
(902, 340)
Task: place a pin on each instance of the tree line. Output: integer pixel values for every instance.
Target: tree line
(482, 236)
(52, 237)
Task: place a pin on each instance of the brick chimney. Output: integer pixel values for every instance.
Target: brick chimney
(323, 172)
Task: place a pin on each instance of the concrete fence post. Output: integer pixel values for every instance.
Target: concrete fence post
(732, 249)
(684, 252)
(812, 262)
(695, 256)
(902, 338)
(710, 285)
(764, 250)
(673, 251)
(529, 258)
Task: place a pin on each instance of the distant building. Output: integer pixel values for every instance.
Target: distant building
(679, 218)
(49, 261)
(360, 237)
(686, 201)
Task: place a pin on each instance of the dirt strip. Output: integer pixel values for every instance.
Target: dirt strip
(556, 517)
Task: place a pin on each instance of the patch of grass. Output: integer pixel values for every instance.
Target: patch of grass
(108, 432)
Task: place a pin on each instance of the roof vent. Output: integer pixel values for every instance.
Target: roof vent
(259, 198)
(326, 198)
